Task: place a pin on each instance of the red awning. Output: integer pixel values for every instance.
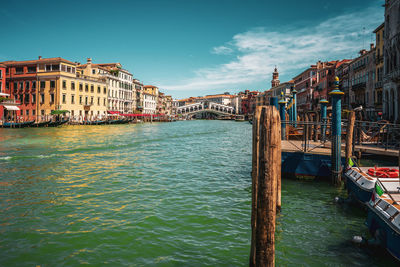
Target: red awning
(113, 112)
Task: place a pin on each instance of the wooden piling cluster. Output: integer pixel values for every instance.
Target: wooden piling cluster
(266, 185)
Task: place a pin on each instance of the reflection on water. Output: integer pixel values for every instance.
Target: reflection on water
(154, 194)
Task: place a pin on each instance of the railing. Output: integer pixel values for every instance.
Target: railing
(379, 134)
(315, 134)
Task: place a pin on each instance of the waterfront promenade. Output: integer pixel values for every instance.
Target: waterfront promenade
(158, 194)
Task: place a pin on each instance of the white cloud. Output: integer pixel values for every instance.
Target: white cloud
(221, 50)
(257, 51)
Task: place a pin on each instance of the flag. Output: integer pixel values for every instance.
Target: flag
(351, 163)
(378, 189)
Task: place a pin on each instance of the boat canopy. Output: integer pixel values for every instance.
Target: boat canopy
(58, 112)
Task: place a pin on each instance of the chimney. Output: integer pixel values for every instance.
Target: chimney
(89, 61)
(40, 57)
(371, 46)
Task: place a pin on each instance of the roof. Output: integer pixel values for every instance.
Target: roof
(379, 27)
(150, 86)
(219, 95)
(36, 61)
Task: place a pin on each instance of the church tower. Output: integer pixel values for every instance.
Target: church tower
(275, 78)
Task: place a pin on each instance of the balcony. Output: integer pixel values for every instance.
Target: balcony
(378, 84)
(359, 86)
(394, 75)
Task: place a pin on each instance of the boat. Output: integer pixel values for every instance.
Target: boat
(40, 124)
(383, 219)
(239, 118)
(57, 123)
(361, 181)
(17, 124)
(94, 122)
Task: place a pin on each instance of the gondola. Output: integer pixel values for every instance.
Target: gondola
(57, 123)
(17, 124)
(40, 124)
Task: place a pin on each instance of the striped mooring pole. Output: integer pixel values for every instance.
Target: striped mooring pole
(336, 129)
(323, 103)
(294, 92)
(273, 101)
(282, 112)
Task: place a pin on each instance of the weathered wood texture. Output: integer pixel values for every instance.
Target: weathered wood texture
(349, 137)
(268, 173)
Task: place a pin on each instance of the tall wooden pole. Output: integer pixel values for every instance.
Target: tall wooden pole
(254, 178)
(266, 173)
(349, 137)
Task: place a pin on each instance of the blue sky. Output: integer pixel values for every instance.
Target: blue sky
(192, 47)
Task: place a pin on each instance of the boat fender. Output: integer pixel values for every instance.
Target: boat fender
(383, 172)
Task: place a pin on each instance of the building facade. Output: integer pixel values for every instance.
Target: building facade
(379, 67)
(391, 57)
(362, 82)
(150, 99)
(303, 84)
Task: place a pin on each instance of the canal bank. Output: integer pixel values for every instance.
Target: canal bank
(157, 194)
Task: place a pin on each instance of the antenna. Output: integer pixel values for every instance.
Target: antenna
(363, 36)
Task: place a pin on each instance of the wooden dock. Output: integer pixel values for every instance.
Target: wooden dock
(325, 149)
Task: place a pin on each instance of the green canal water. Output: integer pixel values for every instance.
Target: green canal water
(166, 194)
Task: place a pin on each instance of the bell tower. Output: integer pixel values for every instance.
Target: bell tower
(275, 78)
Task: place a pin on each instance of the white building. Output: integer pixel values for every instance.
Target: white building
(149, 103)
(120, 86)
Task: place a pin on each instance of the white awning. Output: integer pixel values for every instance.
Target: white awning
(11, 107)
(4, 94)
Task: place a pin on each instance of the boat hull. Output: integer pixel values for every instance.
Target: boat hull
(381, 228)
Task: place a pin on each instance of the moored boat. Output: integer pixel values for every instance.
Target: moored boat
(383, 219)
(40, 124)
(57, 123)
(361, 181)
(17, 124)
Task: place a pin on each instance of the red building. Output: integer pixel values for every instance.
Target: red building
(325, 79)
(8, 107)
(304, 83)
(248, 101)
(21, 85)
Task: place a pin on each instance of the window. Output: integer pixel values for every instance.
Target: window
(52, 84)
(72, 85)
(32, 69)
(98, 101)
(86, 88)
(42, 112)
(91, 88)
(91, 100)
(104, 101)
(93, 71)
(33, 112)
(48, 67)
(72, 99)
(98, 89)
(64, 97)
(104, 90)
(21, 85)
(33, 99)
(41, 99)
(27, 112)
(26, 85)
(63, 68)
(80, 87)
(7, 85)
(86, 100)
(19, 70)
(33, 84)
(42, 84)
(64, 84)
(80, 99)
(68, 69)
(27, 99)
(51, 98)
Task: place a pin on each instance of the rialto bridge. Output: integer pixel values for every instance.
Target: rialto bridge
(211, 107)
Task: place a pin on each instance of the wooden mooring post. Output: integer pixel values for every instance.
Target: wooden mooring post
(266, 176)
(349, 137)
